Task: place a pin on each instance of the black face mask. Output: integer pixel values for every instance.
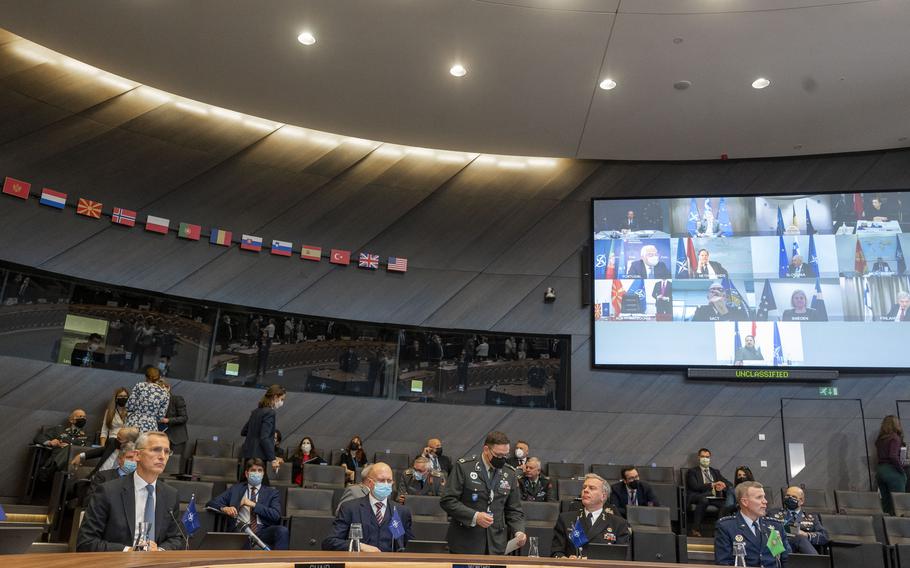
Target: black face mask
(497, 462)
(438, 451)
(79, 423)
(121, 402)
(791, 503)
(633, 484)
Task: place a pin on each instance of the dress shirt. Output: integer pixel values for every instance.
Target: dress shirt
(243, 513)
(141, 494)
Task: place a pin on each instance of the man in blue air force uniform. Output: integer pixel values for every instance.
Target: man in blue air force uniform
(762, 538)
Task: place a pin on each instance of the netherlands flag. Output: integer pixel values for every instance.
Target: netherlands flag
(53, 198)
(251, 242)
(281, 248)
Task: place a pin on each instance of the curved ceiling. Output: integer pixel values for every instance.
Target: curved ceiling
(379, 70)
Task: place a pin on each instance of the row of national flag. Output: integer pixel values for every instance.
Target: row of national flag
(221, 237)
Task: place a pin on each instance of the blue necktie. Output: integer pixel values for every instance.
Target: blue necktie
(150, 511)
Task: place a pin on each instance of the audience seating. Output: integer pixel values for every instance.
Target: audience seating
(568, 489)
(303, 502)
(215, 469)
(398, 462)
(173, 466)
(213, 449)
(897, 534)
(323, 476)
(283, 477)
(858, 502)
(775, 500)
(819, 501)
(610, 472)
(656, 474)
(424, 507)
(311, 516)
(901, 504)
(560, 470)
(540, 518)
(653, 539)
(649, 519)
(203, 490)
(668, 496)
(853, 541)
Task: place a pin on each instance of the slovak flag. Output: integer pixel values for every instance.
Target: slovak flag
(53, 198)
(368, 260)
(281, 248)
(251, 242)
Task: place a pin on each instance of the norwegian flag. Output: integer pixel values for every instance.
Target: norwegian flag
(398, 264)
(367, 260)
(123, 217)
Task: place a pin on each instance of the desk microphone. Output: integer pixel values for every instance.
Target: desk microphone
(245, 528)
(186, 539)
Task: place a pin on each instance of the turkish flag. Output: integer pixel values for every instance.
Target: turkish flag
(339, 256)
(16, 188)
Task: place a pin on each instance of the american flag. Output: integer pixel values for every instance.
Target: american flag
(398, 264)
(368, 260)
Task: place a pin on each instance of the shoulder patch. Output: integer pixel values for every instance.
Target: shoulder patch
(435, 473)
(726, 518)
(510, 466)
(409, 471)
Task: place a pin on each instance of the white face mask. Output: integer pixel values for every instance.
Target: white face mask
(519, 453)
(704, 462)
(279, 404)
(306, 448)
(653, 261)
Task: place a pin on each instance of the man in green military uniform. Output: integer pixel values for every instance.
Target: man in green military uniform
(534, 485)
(420, 480)
(483, 501)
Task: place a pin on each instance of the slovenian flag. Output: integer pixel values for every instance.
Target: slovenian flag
(157, 224)
(53, 198)
(281, 248)
(251, 242)
(220, 237)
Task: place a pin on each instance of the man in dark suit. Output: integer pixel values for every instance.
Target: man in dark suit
(717, 308)
(522, 450)
(649, 266)
(752, 529)
(433, 452)
(255, 505)
(707, 268)
(174, 423)
(126, 464)
(107, 454)
(631, 491)
(348, 361)
(113, 514)
(901, 310)
(629, 223)
(799, 269)
(376, 513)
(483, 501)
(663, 299)
(703, 483)
(600, 524)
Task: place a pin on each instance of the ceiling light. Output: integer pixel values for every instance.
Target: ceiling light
(458, 70)
(608, 84)
(306, 38)
(682, 85)
(760, 83)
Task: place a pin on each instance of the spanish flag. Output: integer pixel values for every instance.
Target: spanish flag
(220, 237)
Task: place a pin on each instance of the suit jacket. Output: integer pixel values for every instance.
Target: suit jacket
(805, 270)
(895, 309)
(467, 492)
(663, 306)
(110, 520)
(638, 270)
(733, 529)
(259, 431)
(350, 493)
(607, 529)
(176, 415)
(375, 534)
(619, 497)
(102, 477)
(110, 446)
(718, 268)
(267, 509)
(695, 484)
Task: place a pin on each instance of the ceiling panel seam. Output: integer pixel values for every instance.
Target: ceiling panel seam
(603, 62)
(23, 383)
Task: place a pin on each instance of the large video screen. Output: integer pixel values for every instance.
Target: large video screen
(811, 280)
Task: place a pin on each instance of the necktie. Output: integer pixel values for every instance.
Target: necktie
(900, 316)
(663, 288)
(379, 514)
(755, 528)
(591, 519)
(149, 516)
(254, 525)
(650, 272)
(633, 498)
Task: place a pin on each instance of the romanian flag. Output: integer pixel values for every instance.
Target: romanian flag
(124, 217)
(157, 224)
(53, 198)
(88, 208)
(220, 237)
(281, 248)
(251, 242)
(16, 188)
(189, 231)
(311, 253)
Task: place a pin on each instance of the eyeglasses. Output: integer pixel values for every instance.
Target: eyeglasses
(158, 450)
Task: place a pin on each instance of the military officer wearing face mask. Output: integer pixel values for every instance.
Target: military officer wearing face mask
(483, 501)
(804, 530)
(378, 515)
(58, 439)
(419, 480)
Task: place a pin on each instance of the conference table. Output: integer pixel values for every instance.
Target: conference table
(301, 559)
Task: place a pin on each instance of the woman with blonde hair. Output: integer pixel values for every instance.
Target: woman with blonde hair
(147, 404)
(890, 472)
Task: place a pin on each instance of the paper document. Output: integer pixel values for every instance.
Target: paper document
(512, 545)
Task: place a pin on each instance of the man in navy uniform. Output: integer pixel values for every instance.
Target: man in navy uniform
(600, 524)
(255, 504)
(483, 501)
(751, 528)
(808, 526)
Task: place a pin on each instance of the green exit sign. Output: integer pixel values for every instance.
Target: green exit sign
(827, 391)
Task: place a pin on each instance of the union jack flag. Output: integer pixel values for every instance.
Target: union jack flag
(368, 260)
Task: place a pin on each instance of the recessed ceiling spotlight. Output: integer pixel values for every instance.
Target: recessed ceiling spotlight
(798, 147)
(682, 85)
(677, 40)
(458, 70)
(608, 84)
(902, 139)
(306, 38)
(760, 83)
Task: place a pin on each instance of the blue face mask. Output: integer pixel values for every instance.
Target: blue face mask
(129, 466)
(255, 478)
(381, 491)
(418, 475)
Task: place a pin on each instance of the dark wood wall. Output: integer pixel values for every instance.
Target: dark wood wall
(483, 242)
